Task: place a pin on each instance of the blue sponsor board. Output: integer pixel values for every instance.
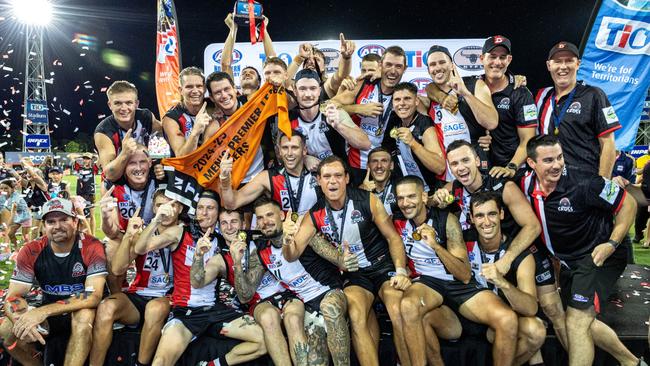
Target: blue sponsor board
(36, 111)
(37, 141)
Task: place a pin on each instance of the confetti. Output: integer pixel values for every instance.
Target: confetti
(76, 88)
(66, 112)
(7, 68)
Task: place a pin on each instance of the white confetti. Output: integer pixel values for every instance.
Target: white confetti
(66, 112)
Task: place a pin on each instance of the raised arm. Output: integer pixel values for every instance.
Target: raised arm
(228, 46)
(110, 221)
(480, 102)
(268, 42)
(343, 70)
(428, 152)
(296, 236)
(203, 273)
(114, 164)
(246, 283)
(523, 297)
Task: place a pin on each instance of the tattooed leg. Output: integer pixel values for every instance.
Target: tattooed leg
(334, 307)
(294, 319)
(268, 317)
(244, 329)
(317, 342)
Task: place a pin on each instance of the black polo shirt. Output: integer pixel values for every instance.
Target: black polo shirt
(588, 116)
(577, 216)
(516, 109)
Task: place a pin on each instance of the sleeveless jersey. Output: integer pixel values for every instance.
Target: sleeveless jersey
(374, 127)
(128, 200)
(85, 179)
(182, 257)
(308, 277)
(356, 227)
(288, 195)
(35, 197)
(141, 131)
(422, 259)
(153, 274)
(54, 190)
(322, 140)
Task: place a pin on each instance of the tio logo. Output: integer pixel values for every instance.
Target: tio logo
(624, 36)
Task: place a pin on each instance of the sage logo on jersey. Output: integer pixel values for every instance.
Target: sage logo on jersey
(390, 198)
(574, 108)
(625, 36)
(421, 83)
(565, 205)
(78, 270)
(236, 56)
(467, 58)
(371, 48)
(504, 103)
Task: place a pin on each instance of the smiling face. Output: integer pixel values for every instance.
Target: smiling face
(563, 67)
(55, 176)
(137, 169)
(59, 227)
(123, 106)
(333, 180)
(269, 219)
(487, 219)
(405, 103)
(274, 70)
(439, 66)
(496, 62)
(307, 92)
(549, 163)
(224, 95)
(392, 69)
(229, 224)
(380, 165)
(192, 90)
(6, 190)
(411, 199)
(464, 165)
(292, 151)
(249, 79)
(207, 211)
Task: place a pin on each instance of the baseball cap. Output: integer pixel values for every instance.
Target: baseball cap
(563, 46)
(437, 48)
(55, 169)
(496, 41)
(58, 205)
(307, 74)
(87, 155)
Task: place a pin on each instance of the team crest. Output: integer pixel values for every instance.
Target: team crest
(78, 270)
(390, 197)
(575, 108)
(356, 217)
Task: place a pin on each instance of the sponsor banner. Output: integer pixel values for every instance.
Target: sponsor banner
(168, 50)
(14, 157)
(465, 53)
(36, 111)
(37, 141)
(240, 136)
(638, 151)
(616, 59)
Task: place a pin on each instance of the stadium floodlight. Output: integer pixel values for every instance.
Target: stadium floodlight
(33, 12)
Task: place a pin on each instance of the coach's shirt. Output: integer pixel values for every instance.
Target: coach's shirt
(577, 216)
(516, 109)
(584, 115)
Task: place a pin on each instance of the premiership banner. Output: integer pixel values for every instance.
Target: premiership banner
(616, 58)
(240, 135)
(465, 53)
(168, 57)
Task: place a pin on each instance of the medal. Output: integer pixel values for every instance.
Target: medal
(294, 216)
(394, 134)
(323, 107)
(450, 199)
(416, 236)
(242, 235)
(557, 131)
(379, 131)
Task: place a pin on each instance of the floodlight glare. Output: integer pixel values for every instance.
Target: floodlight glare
(33, 12)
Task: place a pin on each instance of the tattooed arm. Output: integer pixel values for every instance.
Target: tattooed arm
(342, 259)
(203, 273)
(246, 282)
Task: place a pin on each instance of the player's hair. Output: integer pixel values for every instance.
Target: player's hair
(158, 193)
(259, 77)
(329, 160)
(9, 182)
(218, 76)
(396, 51)
(537, 141)
(121, 86)
(294, 132)
(239, 213)
(406, 86)
(458, 144)
(275, 61)
(411, 179)
(192, 70)
(371, 57)
(264, 200)
(480, 198)
(376, 150)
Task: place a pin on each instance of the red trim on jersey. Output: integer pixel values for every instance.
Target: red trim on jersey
(141, 280)
(609, 130)
(441, 138)
(354, 154)
(620, 204)
(596, 303)
(542, 118)
(528, 126)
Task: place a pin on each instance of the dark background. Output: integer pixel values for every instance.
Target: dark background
(129, 27)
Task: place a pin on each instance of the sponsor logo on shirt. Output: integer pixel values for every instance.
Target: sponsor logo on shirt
(610, 191)
(565, 205)
(580, 298)
(390, 198)
(504, 103)
(63, 289)
(574, 108)
(78, 270)
(610, 115)
(543, 276)
(530, 112)
(356, 217)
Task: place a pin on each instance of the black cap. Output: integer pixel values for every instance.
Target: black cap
(497, 41)
(210, 194)
(307, 74)
(436, 48)
(55, 169)
(564, 46)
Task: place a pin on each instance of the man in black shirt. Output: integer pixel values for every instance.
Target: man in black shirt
(515, 106)
(583, 222)
(580, 115)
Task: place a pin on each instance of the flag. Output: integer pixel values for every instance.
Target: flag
(241, 135)
(616, 58)
(168, 57)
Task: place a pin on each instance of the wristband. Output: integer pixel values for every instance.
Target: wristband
(613, 243)
(512, 166)
(401, 271)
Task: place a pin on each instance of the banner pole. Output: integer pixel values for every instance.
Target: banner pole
(590, 24)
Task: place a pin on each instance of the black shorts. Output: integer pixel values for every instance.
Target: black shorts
(583, 285)
(370, 278)
(313, 305)
(544, 271)
(278, 300)
(140, 303)
(59, 325)
(208, 320)
(454, 293)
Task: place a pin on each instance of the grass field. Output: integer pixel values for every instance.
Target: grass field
(641, 256)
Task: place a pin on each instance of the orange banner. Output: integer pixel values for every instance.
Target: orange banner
(168, 64)
(241, 135)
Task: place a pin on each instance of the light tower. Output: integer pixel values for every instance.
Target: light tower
(35, 15)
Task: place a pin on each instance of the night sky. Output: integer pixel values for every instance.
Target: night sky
(128, 27)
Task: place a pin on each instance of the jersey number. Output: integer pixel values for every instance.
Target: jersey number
(127, 212)
(151, 263)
